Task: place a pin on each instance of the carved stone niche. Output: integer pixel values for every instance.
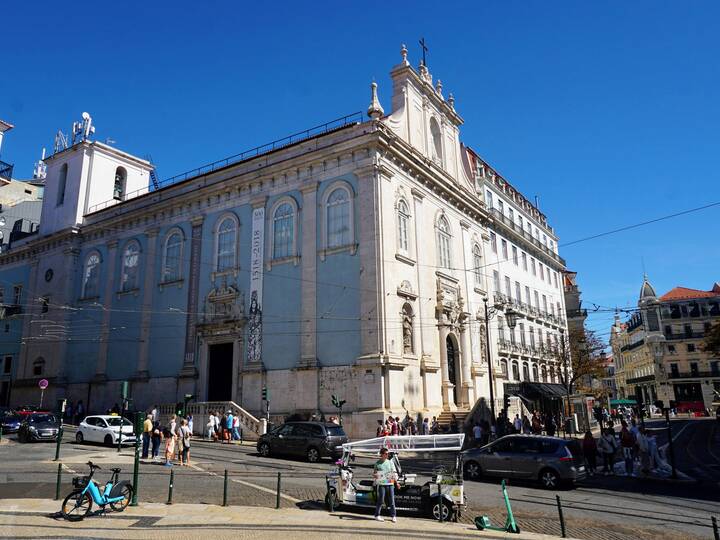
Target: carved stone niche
(224, 303)
(405, 290)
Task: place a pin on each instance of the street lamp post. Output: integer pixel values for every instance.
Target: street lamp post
(511, 317)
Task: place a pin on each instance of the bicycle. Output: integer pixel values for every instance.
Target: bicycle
(78, 503)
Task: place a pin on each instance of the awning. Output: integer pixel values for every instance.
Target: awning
(536, 390)
(622, 402)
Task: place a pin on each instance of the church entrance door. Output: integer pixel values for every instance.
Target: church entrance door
(452, 363)
(220, 375)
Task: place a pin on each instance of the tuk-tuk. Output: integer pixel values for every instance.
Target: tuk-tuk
(442, 497)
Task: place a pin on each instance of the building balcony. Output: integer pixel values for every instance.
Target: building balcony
(503, 300)
(539, 352)
(693, 374)
(10, 310)
(633, 346)
(525, 236)
(686, 335)
(6, 170)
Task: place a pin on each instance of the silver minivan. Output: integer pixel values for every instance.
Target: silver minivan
(548, 460)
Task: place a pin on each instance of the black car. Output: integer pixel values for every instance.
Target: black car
(39, 427)
(11, 422)
(311, 440)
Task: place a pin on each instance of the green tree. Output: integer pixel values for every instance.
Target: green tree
(581, 360)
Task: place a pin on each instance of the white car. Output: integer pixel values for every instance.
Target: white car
(105, 429)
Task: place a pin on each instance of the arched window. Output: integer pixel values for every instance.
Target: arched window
(91, 276)
(535, 373)
(226, 244)
(552, 375)
(477, 264)
(338, 218)
(283, 231)
(38, 366)
(119, 185)
(172, 257)
(407, 328)
(526, 372)
(503, 367)
(130, 267)
(403, 215)
(62, 184)
(443, 242)
(544, 374)
(436, 141)
(515, 371)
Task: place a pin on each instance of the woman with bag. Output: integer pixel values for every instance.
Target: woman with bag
(590, 452)
(607, 447)
(184, 437)
(156, 439)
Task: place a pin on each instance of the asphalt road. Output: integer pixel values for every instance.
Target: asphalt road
(603, 507)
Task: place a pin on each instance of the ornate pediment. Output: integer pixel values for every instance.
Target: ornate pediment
(405, 290)
(224, 303)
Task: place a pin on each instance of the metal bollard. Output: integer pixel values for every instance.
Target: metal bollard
(562, 519)
(225, 488)
(59, 440)
(57, 484)
(716, 532)
(440, 503)
(277, 498)
(170, 487)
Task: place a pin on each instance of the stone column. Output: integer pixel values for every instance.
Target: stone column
(447, 391)
(101, 366)
(145, 319)
(466, 393)
(308, 269)
(188, 370)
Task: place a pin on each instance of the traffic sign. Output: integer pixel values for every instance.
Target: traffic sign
(43, 384)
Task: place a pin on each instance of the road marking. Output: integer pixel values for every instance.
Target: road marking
(71, 471)
(250, 484)
(675, 436)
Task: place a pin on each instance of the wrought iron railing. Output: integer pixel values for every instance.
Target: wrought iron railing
(522, 233)
(693, 374)
(528, 310)
(322, 129)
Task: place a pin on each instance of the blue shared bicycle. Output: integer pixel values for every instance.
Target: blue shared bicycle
(78, 503)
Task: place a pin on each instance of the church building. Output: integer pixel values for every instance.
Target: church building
(355, 260)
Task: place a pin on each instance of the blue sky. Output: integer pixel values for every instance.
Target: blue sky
(609, 112)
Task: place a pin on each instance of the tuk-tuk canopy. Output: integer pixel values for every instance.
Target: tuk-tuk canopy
(406, 444)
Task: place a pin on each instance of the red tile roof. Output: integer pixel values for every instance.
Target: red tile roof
(683, 293)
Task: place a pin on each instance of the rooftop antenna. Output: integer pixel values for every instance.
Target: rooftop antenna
(61, 142)
(40, 170)
(81, 131)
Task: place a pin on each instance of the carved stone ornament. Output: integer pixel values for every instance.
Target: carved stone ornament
(224, 302)
(405, 290)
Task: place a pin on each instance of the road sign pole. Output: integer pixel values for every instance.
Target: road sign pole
(670, 443)
(136, 467)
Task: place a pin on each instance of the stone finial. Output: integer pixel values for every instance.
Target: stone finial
(438, 87)
(451, 101)
(403, 53)
(375, 110)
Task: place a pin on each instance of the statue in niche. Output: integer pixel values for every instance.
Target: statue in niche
(407, 328)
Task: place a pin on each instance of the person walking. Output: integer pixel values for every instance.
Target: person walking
(210, 426)
(185, 435)
(155, 414)
(477, 434)
(526, 426)
(380, 430)
(235, 427)
(550, 425)
(169, 447)
(590, 452)
(426, 426)
(385, 474)
(147, 430)
(190, 423)
(518, 424)
(627, 442)
(79, 412)
(173, 431)
(228, 427)
(607, 448)
(434, 427)
(536, 425)
(156, 439)
(454, 424)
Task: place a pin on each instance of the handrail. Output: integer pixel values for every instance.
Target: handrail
(321, 129)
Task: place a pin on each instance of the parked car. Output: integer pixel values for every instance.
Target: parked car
(11, 422)
(311, 440)
(39, 427)
(105, 429)
(548, 460)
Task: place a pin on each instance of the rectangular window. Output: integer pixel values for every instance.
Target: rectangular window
(496, 280)
(668, 330)
(532, 337)
(2, 295)
(489, 198)
(542, 272)
(715, 368)
(671, 348)
(694, 369)
(17, 294)
(520, 223)
(524, 260)
(517, 291)
(493, 242)
(511, 215)
(522, 333)
(559, 312)
(545, 309)
(537, 300)
(552, 309)
(545, 240)
(7, 365)
(504, 250)
(674, 370)
(501, 207)
(532, 266)
(508, 287)
(515, 255)
(691, 347)
(527, 296)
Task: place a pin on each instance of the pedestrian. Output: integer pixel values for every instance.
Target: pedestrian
(79, 412)
(169, 447)
(235, 427)
(380, 430)
(184, 435)
(590, 452)
(643, 446)
(69, 409)
(190, 423)
(398, 426)
(434, 427)
(526, 426)
(156, 439)
(210, 426)
(173, 431)
(394, 427)
(550, 425)
(486, 432)
(454, 424)
(536, 425)
(517, 424)
(385, 475)
(228, 426)
(147, 430)
(155, 414)
(217, 421)
(607, 446)
(425, 430)
(627, 442)
(477, 434)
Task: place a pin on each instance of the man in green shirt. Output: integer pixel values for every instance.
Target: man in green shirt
(385, 474)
